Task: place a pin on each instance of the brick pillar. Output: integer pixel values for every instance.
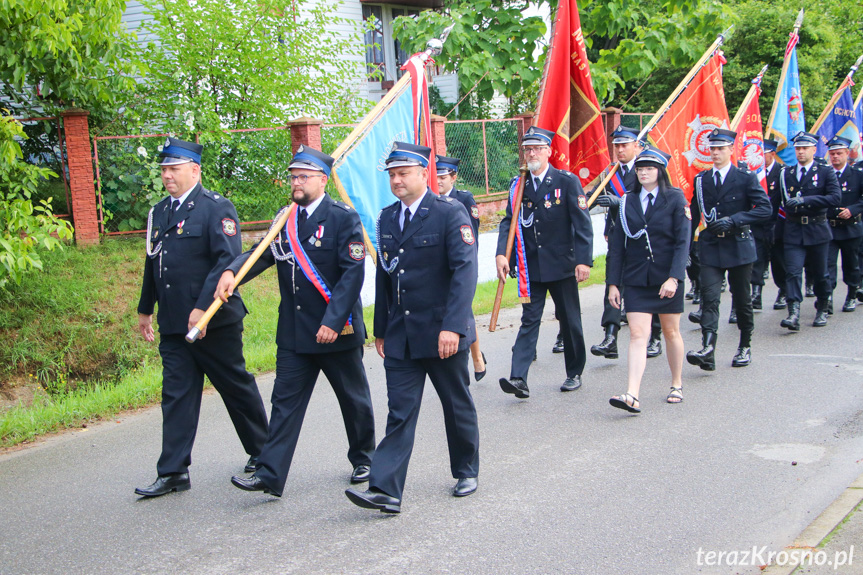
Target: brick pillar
(79, 159)
(611, 120)
(438, 126)
(305, 131)
(521, 128)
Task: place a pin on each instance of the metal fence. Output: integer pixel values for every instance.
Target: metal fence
(488, 150)
(634, 120)
(248, 166)
(44, 147)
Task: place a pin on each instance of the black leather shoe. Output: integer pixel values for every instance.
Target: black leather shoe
(608, 347)
(743, 357)
(252, 483)
(464, 486)
(820, 318)
(571, 383)
(361, 474)
(850, 304)
(478, 375)
(810, 291)
(691, 293)
(558, 345)
(756, 296)
(696, 297)
(830, 305)
(781, 302)
(516, 385)
(370, 499)
(695, 316)
(705, 358)
(251, 464)
(792, 322)
(732, 317)
(165, 484)
(654, 347)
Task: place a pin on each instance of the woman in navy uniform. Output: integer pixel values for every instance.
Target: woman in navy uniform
(193, 234)
(647, 254)
(424, 288)
(447, 174)
(313, 334)
(845, 224)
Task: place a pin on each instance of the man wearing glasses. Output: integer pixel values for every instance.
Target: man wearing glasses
(552, 253)
(320, 259)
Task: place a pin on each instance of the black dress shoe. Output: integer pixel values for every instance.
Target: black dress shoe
(571, 383)
(781, 302)
(370, 499)
(166, 484)
(696, 297)
(732, 317)
(558, 345)
(464, 486)
(252, 483)
(850, 304)
(691, 293)
(516, 386)
(478, 375)
(251, 464)
(810, 291)
(695, 316)
(654, 347)
(743, 357)
(361, 474)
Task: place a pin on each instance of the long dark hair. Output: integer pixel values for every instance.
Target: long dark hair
(662, 179)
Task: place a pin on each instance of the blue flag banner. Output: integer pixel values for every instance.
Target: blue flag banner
(360, 172)
(842, 121)
(857, 153)
(789, 118)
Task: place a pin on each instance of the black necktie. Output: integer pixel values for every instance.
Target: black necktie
(718, 179)
(802, 173)
(175, 205)
(838, 174)
(625, 169)
(407, 220)
(301, 219)
(649, 204)
(536, 183)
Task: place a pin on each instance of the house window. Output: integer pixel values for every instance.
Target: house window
(374, 41)
(401, 55)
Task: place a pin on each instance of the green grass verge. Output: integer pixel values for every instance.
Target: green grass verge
(73, 328)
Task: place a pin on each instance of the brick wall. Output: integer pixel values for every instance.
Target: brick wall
(81, 187)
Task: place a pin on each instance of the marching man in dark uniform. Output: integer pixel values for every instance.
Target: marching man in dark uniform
(808, 190)
(424, 288)
(192, 235)
(447, 174)
(320, 261)
(626, 148)
(772, 170)
(553, 252)
(845, 224)
(730, 200)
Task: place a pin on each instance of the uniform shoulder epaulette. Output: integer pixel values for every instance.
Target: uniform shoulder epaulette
(446, 199)
(858, 168)
(344, 206)
(745, 170)
(214, 196)
(566, 173)
(701, 174)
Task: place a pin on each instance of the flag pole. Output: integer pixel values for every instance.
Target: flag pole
(546, 64)
(829, 107)
(797, 24)
(665, 107)
(756, 86)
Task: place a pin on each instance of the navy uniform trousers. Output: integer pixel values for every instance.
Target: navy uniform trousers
(296, 375)
(219, 356)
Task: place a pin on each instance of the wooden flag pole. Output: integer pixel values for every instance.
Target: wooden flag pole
(664, 108)
(797, 24)
(756, 84)
(277, 226)
(510, 239)
(829, 107)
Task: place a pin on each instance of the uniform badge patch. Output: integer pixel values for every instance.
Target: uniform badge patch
(467, 235)
(687, 212)
(358, 251)
(229, 226)
(474, 211)
(582, 202)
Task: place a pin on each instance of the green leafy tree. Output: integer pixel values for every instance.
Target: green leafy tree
(25, 227)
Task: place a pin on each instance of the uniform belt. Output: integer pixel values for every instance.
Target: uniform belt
(741, 230)
(838, 223)
(808, 219)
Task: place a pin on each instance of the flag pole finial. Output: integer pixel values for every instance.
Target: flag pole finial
(799, 22)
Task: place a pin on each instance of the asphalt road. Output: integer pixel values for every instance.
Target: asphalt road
(567, 483)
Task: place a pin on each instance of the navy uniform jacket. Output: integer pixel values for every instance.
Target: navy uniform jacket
(467, 199)
(559, 235)
(611, 217)
(851, 188)
(820, 191)
(339, 259)
(629, 261)
(775, 195)
(431, 287)
(743, 200)
(185, 274)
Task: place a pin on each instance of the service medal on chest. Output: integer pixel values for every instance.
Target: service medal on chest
(547, 204)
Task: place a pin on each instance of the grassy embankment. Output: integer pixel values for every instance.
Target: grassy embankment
(70, 351)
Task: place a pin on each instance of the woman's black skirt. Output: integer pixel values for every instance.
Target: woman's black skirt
(645, 299)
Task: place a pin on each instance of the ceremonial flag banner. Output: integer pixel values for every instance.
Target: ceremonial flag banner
(842, 122)
(749, 146)
(787, 116)
(683, 130)
(359, 171)
(579, 145)
(857, 153)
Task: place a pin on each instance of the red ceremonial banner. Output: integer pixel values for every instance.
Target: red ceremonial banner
(683, 131)
(749, 145)
(579, 144)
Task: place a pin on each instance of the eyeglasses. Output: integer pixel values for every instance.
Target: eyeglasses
(535, 150)
(302, 179)
(644, 169)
